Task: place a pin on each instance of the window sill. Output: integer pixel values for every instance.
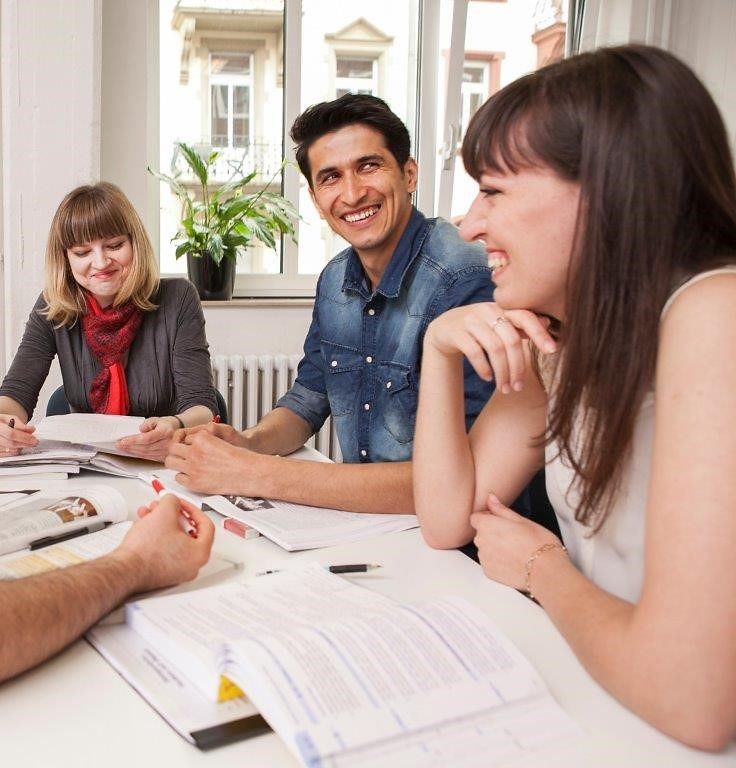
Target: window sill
(282, 301)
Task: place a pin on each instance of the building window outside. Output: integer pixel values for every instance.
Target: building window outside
(354, 74)
(503, 41)
(474, 91)
(231, 93)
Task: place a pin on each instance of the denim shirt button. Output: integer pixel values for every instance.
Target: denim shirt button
(371, 311)
(363, 452)
(334, 363)
(369, 359)
(388, 385)
(366, 406)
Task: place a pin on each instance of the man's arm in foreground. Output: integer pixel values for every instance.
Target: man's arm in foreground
(42, 614)
(215, 460)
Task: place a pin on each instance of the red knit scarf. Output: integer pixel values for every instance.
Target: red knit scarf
(109, 333)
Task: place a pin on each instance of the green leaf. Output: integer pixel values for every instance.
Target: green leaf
(195, 162)
(182, 249)
(215, 247)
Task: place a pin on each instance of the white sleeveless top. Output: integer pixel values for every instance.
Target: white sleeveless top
(613, 558)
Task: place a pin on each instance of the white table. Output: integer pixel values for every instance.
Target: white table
(76, 711)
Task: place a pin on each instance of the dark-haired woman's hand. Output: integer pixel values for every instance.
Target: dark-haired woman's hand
(491, 339)
(507, 540)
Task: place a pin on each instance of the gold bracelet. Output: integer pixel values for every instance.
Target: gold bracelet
(530, 563)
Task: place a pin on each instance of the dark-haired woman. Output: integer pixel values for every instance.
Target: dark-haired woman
(128, 343)
(607, 205)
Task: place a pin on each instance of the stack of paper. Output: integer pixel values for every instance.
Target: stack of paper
(78, 440)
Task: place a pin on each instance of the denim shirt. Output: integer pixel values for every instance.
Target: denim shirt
(362, 355)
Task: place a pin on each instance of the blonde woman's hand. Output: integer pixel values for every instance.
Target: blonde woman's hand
(153, 440)
(15, 435)
(491, 339)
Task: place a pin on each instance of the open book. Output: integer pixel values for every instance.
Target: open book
(43, 518)
(348, 677)
(60, 454)
(291, 526)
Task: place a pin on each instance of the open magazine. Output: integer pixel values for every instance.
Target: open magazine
(44, 518)
(291, 526)
(348, 677)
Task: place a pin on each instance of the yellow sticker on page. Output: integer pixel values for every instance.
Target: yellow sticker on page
(228, 690)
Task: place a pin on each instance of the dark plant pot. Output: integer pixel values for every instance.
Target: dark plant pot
(214, 282)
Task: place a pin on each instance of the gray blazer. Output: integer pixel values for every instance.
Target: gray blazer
(168, 367)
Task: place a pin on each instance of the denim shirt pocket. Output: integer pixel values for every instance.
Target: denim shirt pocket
(344, 367)
(397, 400)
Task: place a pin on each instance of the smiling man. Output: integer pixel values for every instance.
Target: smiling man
(362, 355)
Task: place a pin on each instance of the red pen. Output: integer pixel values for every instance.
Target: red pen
(189, 523)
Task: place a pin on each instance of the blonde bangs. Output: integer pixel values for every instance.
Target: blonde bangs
(86, 214)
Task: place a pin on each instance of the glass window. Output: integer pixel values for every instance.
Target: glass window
(355, 75)
(474, 91)
(224, 84)
(503, 41)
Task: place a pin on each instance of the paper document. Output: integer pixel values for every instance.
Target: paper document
(341, 673)
(291, 526)
(57, 513)
(297, 526)
(98, 429)
(193, 715)
(78, 550)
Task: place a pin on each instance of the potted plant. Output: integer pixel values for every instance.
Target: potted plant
(219, 219)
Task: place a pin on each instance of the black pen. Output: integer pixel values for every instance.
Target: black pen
(47, 541)
(349, 568)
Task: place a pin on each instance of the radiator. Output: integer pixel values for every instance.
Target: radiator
(251, 385)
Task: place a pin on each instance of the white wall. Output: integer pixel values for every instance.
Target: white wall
(50, 133)
(701, 32)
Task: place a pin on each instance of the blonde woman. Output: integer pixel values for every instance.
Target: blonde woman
(128, 343)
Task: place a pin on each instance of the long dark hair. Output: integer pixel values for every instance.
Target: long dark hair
(644, 139)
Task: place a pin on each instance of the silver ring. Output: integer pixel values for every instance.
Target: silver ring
(498, 321)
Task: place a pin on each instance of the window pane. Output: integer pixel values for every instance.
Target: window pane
(218, 108)
(241, 115)
(354, 47)
(354, 67)
(503, 41)
(472, 74)
(229, 63)
(222, 81)
(222, 87)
